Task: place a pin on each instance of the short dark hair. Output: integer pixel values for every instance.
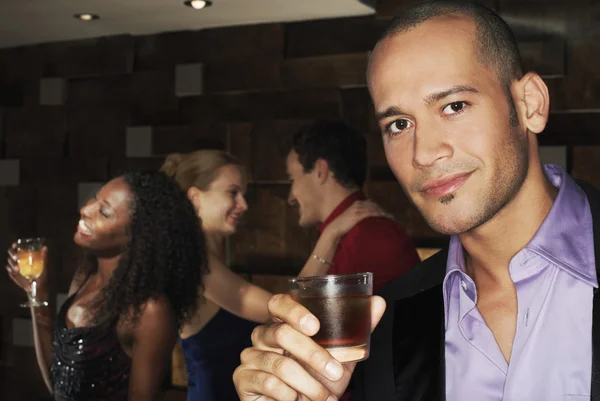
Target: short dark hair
(344, 149)
(496, 46)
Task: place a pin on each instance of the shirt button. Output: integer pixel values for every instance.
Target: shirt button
(463, 284)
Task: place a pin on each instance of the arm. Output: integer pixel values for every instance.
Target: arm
(43, 323)
(42, 318)
(154, 339)
(231, 292)
(327, 245)
(325, 248)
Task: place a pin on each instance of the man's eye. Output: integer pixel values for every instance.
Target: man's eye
(396, 127)
(454, 108)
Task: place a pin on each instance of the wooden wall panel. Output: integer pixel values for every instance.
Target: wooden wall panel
(582, 84)
(152, 99)
(263, 74)
(239, 143)
(269, 148)
(183, 139)
(23, 127)
(295, 104)
(217, 108)
(169, 49)
(331, 36)
(586, 164)
(325, 71)
(89, 57)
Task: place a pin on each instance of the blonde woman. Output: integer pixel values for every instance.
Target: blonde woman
(213, 339)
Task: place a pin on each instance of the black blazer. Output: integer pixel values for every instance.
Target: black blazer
(407, 357)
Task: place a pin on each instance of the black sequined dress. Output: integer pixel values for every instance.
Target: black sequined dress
(88, 363)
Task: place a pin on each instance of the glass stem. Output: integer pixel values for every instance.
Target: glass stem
(33, 291)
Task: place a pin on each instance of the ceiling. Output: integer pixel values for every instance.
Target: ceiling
(36, 21)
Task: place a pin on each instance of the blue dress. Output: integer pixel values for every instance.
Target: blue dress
(212, 354)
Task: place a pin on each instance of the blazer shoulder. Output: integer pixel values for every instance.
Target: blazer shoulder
(423, 276)
(591, 192)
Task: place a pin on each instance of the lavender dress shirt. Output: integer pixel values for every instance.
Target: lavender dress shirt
(555, 276)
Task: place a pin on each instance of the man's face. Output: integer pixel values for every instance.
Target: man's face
(445, 121)
(304, 191)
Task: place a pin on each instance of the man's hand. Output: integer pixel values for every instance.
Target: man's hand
(285, 364)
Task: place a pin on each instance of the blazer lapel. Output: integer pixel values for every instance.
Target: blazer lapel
(407, 347)
(418, 330)
(594, 200)
(418, 351)
(596, 343)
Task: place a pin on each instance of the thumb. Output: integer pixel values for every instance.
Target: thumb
(377, 308)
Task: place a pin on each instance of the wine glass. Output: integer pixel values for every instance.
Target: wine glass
(31, 266)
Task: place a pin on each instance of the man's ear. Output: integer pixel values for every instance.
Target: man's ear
(532, 101)
(322, 170)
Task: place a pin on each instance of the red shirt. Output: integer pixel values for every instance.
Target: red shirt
(375, 244)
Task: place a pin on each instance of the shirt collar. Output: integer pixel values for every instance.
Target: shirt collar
(565, 237)
(341, 208)
(455, 265)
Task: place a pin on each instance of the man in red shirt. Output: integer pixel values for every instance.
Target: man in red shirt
(327, 167)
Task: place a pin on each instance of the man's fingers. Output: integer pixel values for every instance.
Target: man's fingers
(283, 336)
(252, 383)
(377, 309)
(257, 342)
(280, 374)
(284, 309)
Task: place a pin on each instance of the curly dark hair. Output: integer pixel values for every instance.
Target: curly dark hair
(165, 255)
(344, 149)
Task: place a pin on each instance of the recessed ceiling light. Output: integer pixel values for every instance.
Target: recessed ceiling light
(86, 17)
(198, 4)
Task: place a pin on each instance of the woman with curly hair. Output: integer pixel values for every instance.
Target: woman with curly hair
(114, 334)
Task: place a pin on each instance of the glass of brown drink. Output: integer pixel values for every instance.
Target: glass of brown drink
(342, 303)
(31, 266)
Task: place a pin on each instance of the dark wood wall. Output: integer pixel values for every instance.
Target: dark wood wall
(70, 111)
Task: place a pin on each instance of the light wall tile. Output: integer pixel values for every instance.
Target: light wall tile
(9, 172)
(53, 91)
(554, 155)
(22, 333)
(189, 80)
(139, 141)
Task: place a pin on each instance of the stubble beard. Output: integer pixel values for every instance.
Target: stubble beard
(508, 178)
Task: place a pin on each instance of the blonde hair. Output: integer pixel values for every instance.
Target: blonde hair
(200, 168)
